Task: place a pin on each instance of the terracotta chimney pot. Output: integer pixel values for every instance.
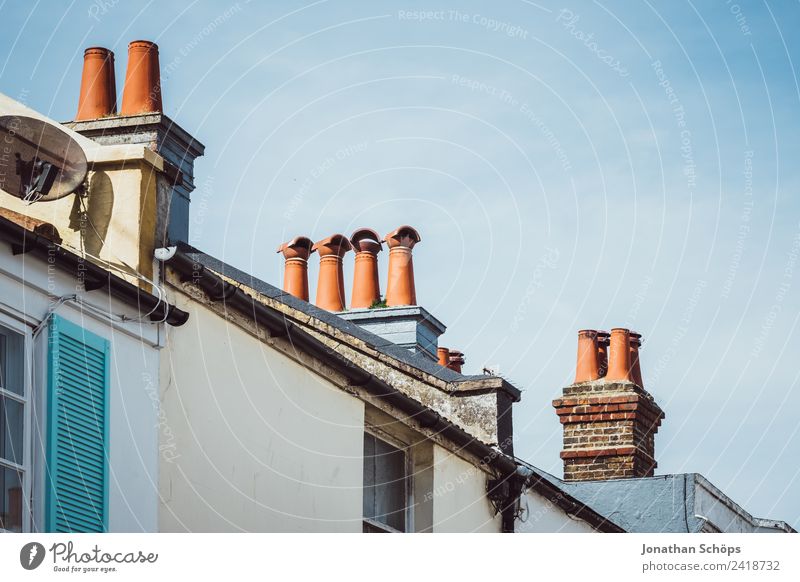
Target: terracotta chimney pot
(295, 274)
(456, 360)
(98, 97)
(400, 289)
(636, 369)
(603, 338)
(142, 92)
(619, 357)
(366, 286)
(587, 368)
(330, 285)
(444, 356)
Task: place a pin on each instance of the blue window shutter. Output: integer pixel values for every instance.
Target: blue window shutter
(77, 421)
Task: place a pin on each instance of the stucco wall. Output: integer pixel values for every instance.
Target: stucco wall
(253, 440)
(459, 496)
(542, 516)
(133, 405)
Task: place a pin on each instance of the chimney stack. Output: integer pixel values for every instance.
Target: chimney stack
(609, 421)
(456, 360)
(330, 285)
(400, 287)
(366, 287)
(295, 274)
(142, 91)
(98, 96)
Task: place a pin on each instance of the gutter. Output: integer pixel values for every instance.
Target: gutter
(93, 276)
(278, 325)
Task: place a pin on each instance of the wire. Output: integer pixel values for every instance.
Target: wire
(159, 291)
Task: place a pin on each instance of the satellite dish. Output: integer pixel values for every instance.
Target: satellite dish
(38, 161)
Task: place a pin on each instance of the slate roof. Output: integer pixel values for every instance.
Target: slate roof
(664, 503)
(415, 360)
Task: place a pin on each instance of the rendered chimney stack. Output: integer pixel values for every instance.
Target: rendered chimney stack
(444, 356)
(366, 286)
(400, 288)
(142, 91)
(456, 360)
(295, 274)
(98, 97)
(330, 284)
(609, 421)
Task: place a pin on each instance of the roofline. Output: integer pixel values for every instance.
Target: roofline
(279, 325)
(93, 276)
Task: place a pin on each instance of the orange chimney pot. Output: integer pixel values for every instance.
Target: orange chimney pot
(587, 368)
(330, 285)
(444, 356)
(142, 92)
(603, 339)
(98, 97)
(295, 274)
(366, 286)
(456, 360)
(400, 288)
(619, 357)
(636, 370)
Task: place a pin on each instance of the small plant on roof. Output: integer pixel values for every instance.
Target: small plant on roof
(379, 303)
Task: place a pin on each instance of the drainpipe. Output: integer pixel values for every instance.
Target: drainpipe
(142, 91)
(619, 358)
(330, 285)
(366, 286)
(400, 287)
(295, 273)
(98, 97)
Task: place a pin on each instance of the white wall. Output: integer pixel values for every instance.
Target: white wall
(542, 516)
(459, 496)
(133, 404)
(253, 441)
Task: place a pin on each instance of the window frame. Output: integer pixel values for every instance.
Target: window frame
(408, 482)
(14, 326)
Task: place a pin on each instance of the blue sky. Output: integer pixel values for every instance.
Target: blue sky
(569, 165)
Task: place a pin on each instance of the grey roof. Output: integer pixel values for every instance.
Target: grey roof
(666, 503)
(415, 360)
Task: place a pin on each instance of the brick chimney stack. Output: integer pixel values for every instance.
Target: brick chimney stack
(609, 420)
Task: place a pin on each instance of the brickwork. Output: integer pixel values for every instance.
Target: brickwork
(609, 430)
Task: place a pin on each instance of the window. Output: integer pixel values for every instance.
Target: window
(13, 474)
(386, 486)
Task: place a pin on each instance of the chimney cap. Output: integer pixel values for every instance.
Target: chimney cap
(145, 44)
(366, 240)
(336, 244)
(98, 50)
(299, 247)
(403, 236)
